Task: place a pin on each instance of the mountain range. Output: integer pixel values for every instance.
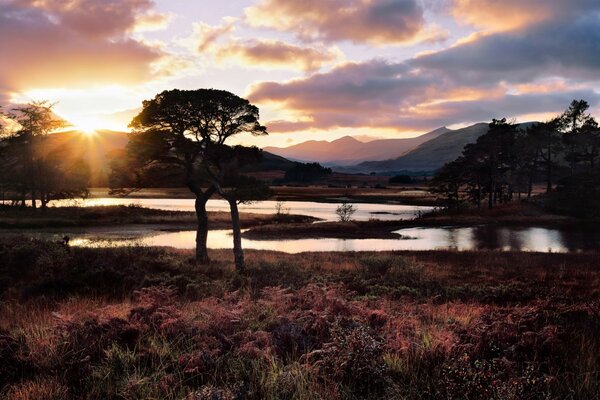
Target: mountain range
(432, 151)
(348, 151)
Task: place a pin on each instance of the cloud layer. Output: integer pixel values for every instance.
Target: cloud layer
(497, 74)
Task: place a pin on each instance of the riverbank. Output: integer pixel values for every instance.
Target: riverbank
(65, 217)
(148, 323)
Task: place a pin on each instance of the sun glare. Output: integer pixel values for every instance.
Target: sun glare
(87, 125)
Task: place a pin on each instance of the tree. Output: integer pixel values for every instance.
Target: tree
(306, 172)
(345, 211)
(176, 131)
(401, 179)
(223, 165)
(547, 143)
(448, 182)
(32, 167)
(577, 124)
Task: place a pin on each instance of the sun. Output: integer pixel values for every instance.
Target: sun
(88, 125)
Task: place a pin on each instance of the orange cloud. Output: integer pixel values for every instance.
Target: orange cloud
(513, 14)
(52, 43)
(358, 21)
(270, 53)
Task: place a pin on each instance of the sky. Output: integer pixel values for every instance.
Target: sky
(317, 69)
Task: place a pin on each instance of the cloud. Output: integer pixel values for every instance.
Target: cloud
(568, 49)
(504, 73)
(219, 41)
(210, 34)
(512, 14)
(357, 21)
(277, 54)
(52, 43)
(379, 94)
(93, 18)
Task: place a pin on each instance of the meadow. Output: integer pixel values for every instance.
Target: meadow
(134, 322)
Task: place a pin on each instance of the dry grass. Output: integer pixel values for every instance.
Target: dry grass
(138, 323)
(27, 218)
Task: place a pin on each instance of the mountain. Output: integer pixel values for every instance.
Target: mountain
(432, 154)
(348, 150)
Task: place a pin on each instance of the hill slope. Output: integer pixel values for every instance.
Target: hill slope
(434, 153)
(97, 149)
(347, 150)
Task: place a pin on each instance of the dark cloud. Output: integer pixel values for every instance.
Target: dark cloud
(570, 49)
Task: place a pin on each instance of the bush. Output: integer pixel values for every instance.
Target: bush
(345, 211)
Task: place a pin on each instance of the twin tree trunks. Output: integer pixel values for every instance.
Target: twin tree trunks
(202, 232)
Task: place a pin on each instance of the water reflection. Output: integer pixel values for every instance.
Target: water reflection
(325, 211)
(475, 238)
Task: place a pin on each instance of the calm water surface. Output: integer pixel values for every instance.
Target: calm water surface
(477, 238)
(456, 238)
(325, 211)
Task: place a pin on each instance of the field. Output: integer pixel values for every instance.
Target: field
(133, 323)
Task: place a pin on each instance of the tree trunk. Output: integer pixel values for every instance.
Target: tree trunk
(202, 229)
(238, 252)
(549, 177)
(33, 200)
(44, 200)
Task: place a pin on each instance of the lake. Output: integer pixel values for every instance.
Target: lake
(453, 238)
(324, 211)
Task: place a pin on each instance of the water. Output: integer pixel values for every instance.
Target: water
(472, 238)
(455, 238)
(324, 211)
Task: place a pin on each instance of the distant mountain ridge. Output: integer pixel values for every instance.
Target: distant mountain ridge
(432, 154)
(349, 151)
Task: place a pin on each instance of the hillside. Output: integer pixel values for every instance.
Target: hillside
(432, 154)
(348, 150)
(98, 148)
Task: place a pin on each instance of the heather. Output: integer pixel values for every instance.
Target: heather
(132, 323)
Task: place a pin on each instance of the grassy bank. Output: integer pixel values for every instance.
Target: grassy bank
(133, 323)
(54, 217)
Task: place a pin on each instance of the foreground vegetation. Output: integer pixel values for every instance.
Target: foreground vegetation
(131, 323)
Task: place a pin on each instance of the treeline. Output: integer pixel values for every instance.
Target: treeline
(30, 169)
(509, 159)
(308, 172)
